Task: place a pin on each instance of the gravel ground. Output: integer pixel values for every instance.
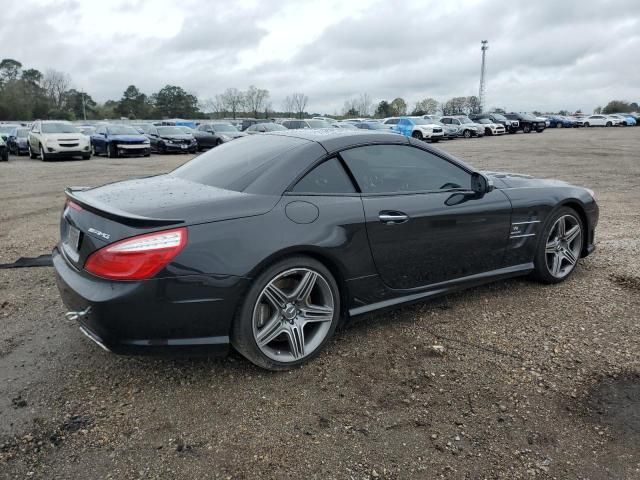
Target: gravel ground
(533, 380)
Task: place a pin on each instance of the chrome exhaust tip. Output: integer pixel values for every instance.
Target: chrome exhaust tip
(74, 316)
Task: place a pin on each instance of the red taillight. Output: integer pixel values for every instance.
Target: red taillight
(137, 258)
(73, 205)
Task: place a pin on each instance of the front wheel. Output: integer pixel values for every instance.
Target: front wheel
(559, 246)
(526, 129)
(417, 135)
(32, 154)
(559, 125)
(43, 156)
(289, 313)
(586, 124)
(467, 134)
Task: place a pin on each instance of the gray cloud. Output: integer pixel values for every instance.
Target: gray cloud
(543, 55)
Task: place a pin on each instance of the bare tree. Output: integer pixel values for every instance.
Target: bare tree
(287, 105)
(299, 102)
(427, 106)
(350, 108)
(364, 104)
(213, 105)
(55, 84)
(255, 99)
(233, 100)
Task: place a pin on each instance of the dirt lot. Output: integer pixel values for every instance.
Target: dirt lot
(535, 381)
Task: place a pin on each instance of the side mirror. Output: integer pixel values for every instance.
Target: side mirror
(481, 184)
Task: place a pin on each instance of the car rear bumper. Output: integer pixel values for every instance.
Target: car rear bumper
(190, 313)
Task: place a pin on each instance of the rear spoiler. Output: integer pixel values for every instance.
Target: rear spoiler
(120, 216)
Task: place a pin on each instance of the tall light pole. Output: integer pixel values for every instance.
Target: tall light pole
(84, 108)
(484, 47)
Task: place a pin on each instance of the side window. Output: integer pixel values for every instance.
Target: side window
(401, 168)
(328, 177)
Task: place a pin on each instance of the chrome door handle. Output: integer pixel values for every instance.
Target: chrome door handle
(393, 217)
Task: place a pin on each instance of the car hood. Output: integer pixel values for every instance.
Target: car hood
(518, 180)
(167, 197)
(186, 136)
(128, 138)
(63, 136)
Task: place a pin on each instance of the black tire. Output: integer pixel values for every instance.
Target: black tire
(111, 151)
(526, 128)
(86, 156)
(218, 143)
(93, 150)
(43, 156)
(32, 155)
(5, 155)
(488, 132)
(559, 125)
(417, 135)
(467, 134)
(541, 270)
(608, 124)
(242, 336)
(586, 124)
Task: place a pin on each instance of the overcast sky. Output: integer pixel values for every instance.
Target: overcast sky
(543, 54)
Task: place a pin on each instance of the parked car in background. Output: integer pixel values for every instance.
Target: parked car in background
(167, 139)
(510, 126)
(597, 121)
(87, 130)
(419, 128)
(467, 128)
(491, 128)
(17, 141)
(6, 129)
(264, 128)
(619, 120)
(204, 140)
(544, 120)
(630, 119)
(326, 119)
(347, 125)
(4, 151)
(560, 121)
(370, 125)
(527, 122)
(299, 124)
(390, 120)
(220, 132)
(51, 139)
(120, 141)
(247, 122)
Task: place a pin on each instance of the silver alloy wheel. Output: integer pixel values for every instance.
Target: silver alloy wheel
(563, 246)
(293, 315)
(42, 157)
(93, 150)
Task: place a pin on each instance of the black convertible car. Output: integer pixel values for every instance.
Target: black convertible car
(266, 243)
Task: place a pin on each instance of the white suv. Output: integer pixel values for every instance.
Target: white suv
(54, 139)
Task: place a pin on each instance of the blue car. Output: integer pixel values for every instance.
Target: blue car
(17, 141)
(627, 119)
(560, 121)
(119, 141)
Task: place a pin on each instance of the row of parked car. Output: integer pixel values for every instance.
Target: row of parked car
(49, 139)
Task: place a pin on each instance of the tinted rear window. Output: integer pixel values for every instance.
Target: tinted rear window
(235, 165)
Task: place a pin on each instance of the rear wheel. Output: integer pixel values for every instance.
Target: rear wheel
(559, 125)
(608, 124)
(5, 155)
(559, 246)
(93, 150)
(586, 124)
(289, 313)
(467, 134)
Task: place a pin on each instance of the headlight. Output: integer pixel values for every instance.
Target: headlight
(169, 142)
(147, 142)
(226, 138)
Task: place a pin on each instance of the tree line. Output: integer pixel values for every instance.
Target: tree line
(27, 94)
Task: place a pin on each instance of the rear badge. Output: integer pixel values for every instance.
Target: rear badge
(106, 236)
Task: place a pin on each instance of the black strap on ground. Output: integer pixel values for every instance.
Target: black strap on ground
(23, 262)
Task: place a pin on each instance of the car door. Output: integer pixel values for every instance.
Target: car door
(425, 225)
(33, 137)
(98, 140)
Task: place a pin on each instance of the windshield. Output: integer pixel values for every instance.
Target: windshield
(185, 129)
(499, 117)
(170, 131)
(58, 128)
(318, 124)
(224, 127)
(484, 120)
(122, 130)
(465, 120)
(377, 126)
(235, 165)
(6, 128)
(269, 127)
(22, 132)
